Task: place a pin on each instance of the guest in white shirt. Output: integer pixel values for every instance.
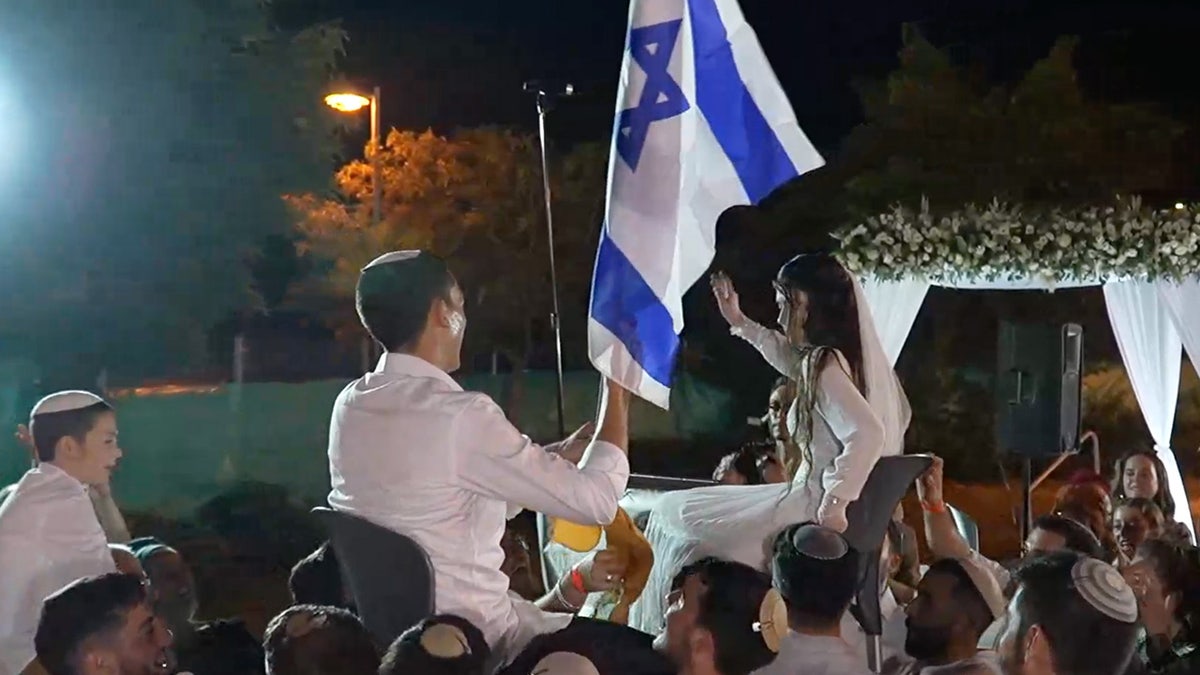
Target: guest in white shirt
(49, 533)
(816, 571)
(411, 451)
(956, 602)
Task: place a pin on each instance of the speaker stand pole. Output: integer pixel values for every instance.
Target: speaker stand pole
(544, 103)
(1026, 497)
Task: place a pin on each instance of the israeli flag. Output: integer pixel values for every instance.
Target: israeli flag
(701, 125)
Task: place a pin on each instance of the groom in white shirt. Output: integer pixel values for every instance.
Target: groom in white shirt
(413, 452)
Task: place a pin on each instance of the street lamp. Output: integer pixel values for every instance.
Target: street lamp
(348, 102)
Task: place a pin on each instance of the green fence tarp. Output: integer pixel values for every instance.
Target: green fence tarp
(185, 448)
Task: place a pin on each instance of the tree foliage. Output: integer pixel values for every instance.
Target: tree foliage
(160, 136)
(475, 198)
(938, 129)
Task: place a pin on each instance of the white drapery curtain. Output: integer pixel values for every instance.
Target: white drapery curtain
(894, 306)
(1183, 302)
(1152, 350)
(1151, 321)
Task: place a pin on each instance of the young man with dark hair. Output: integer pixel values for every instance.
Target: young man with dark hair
(714, 622)
(410, 450)
(103, 626)
(1052, 532)
(816, 571)
(1070, 615)
(49, 533)
(956, 602)
(312, 640)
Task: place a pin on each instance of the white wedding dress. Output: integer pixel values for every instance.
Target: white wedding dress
(739, 522)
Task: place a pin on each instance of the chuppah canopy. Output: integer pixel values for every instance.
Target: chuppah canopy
(1146, 260)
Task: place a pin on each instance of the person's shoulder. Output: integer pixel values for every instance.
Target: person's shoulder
(39, 491)
(223, 647)
(405, 390)
(476, 403)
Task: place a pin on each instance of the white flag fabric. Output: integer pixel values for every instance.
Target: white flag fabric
(701, 125)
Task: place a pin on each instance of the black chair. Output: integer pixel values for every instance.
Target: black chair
(966, 527)
(388, 574)
(868, 518)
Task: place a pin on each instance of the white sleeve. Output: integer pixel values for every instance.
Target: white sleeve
(497, 461)
(772, 344)
(1000, 572)
(854, 424)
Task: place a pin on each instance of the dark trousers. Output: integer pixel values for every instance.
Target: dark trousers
(612, 648)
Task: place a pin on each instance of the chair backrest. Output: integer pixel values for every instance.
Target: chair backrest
(966, 527)
(388, 574)
(869, 516)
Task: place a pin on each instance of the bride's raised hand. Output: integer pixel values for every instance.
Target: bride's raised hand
(727, 299)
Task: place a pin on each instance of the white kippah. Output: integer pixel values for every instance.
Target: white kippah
(820, 542)
(394, 256)
(64, 401)
(565, 663)
(984, 582)
(1103, 587)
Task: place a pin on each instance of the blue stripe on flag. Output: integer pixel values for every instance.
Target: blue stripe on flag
(625, 304)
(759, 158)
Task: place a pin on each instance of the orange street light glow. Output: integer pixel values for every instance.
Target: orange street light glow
(347, 102)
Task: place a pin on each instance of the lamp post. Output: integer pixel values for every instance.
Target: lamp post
(350, 102)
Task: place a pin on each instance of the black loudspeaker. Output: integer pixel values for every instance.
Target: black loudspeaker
(1038, 388)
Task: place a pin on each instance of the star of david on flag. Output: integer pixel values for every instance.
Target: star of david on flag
(701, 125)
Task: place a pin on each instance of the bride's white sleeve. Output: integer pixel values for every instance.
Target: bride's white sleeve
(854, 424)
(772, 344)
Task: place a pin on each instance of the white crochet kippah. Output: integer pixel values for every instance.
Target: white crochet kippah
(63, 401)
(1103, 587)
(984, 582)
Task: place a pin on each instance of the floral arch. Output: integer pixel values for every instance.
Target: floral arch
(1147, 261)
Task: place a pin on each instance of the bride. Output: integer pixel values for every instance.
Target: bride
(849, 410)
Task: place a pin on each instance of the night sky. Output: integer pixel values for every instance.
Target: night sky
(450, 63)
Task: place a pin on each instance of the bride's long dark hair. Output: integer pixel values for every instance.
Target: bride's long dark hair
(831, 323)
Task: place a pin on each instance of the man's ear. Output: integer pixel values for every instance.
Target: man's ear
(439, 313)
(68, 447)
(94, 661)
(893, 564)
(1037, 649)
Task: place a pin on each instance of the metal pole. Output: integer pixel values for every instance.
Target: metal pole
(376, 170)
(543, 105)
(1026, 497)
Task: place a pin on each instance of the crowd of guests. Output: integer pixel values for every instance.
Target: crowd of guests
(1107, 583)
(963, 613)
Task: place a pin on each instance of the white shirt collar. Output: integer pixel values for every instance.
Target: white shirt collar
(52, 473)
(415, 366)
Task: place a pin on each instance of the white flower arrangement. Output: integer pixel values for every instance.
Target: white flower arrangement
(1125, 239)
